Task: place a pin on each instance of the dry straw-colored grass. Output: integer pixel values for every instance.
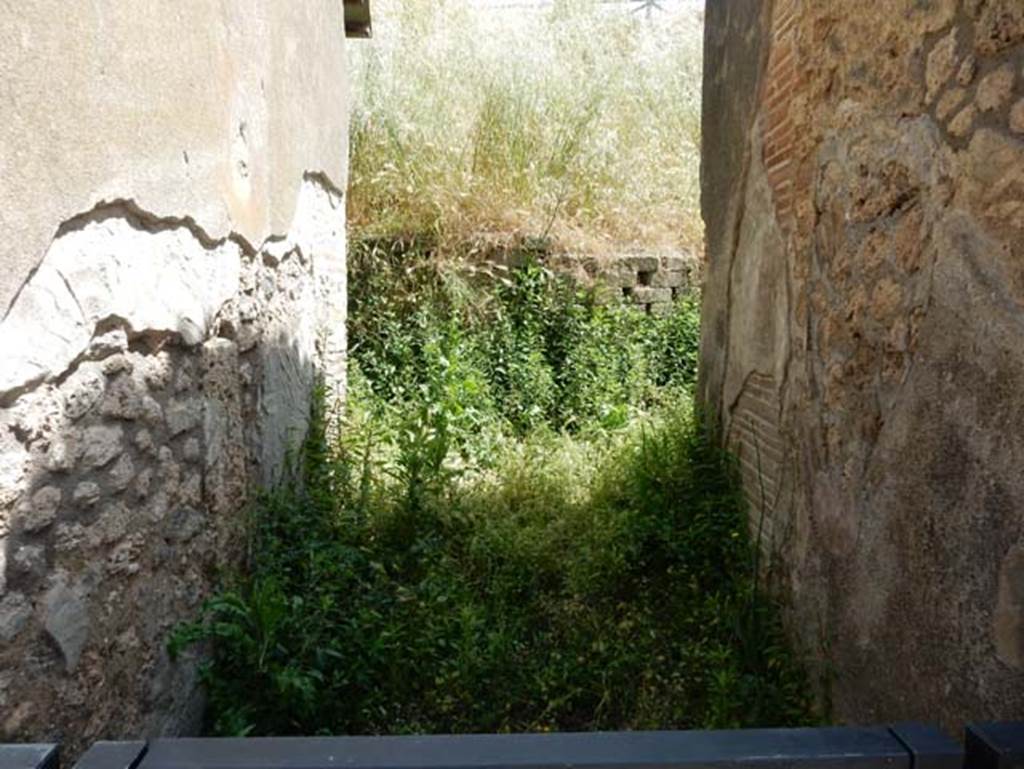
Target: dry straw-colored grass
(580, 121)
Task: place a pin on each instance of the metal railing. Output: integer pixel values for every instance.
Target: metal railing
(903, 746)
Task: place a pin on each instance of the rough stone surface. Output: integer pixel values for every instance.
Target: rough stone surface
(30, 560)
(942, 63)
(41, 510)
(995, 89)
(1008, 626)
(67, 620)
(82, 391)
(1017, 117)
(15, 612)
(122, 472)
(142, 240)
(961, 125)
(623, 278)
(100, 444)
(862, 333)
(949, 102)
(650, 295)
(86, 494)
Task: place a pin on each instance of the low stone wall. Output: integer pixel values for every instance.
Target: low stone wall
(649, 280)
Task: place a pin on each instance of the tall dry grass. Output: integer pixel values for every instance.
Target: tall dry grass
(580, 121)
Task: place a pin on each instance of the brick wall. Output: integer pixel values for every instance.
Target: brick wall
(782, 81)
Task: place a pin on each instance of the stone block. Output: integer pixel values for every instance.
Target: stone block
(962, 124)
(15, 612)
(191, 451)
(651, 295)
(640, 262)
(619, 276)
(111, 343)
(941, 64)
(142, 483)
(122, 473)
(62, 456)
(182, 416)
(676, 263)
(82, 391)
(30, 559)
(41, 509)
(112, 524)
(127, 398)
(184, 523)
(66, 619)
(86, 494)
(999, 25)
(115, 364)
(1017, 117)
(157, 370)
(995, 89)
(950, 101)
(668, 279)
(101, 444)
(968, 69)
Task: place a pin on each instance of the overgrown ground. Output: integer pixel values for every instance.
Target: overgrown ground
(519, 525)
(518, 521)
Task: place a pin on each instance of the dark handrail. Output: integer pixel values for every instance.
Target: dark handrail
(902, 746)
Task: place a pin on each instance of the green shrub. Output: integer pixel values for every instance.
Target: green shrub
(538, 350)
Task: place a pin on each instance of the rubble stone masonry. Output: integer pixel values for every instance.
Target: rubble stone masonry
(863, 183)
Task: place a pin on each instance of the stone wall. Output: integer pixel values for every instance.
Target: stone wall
(647, 279)
(650, 281)
(174, 278)
(863, 188)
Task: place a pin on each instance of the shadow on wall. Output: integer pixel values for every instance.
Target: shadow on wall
(153, 377)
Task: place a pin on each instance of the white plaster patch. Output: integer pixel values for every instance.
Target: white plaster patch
(160, 279)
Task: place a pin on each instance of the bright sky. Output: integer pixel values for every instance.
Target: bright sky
(668, 5)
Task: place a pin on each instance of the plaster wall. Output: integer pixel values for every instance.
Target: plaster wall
(863, 189)
(172, 222)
